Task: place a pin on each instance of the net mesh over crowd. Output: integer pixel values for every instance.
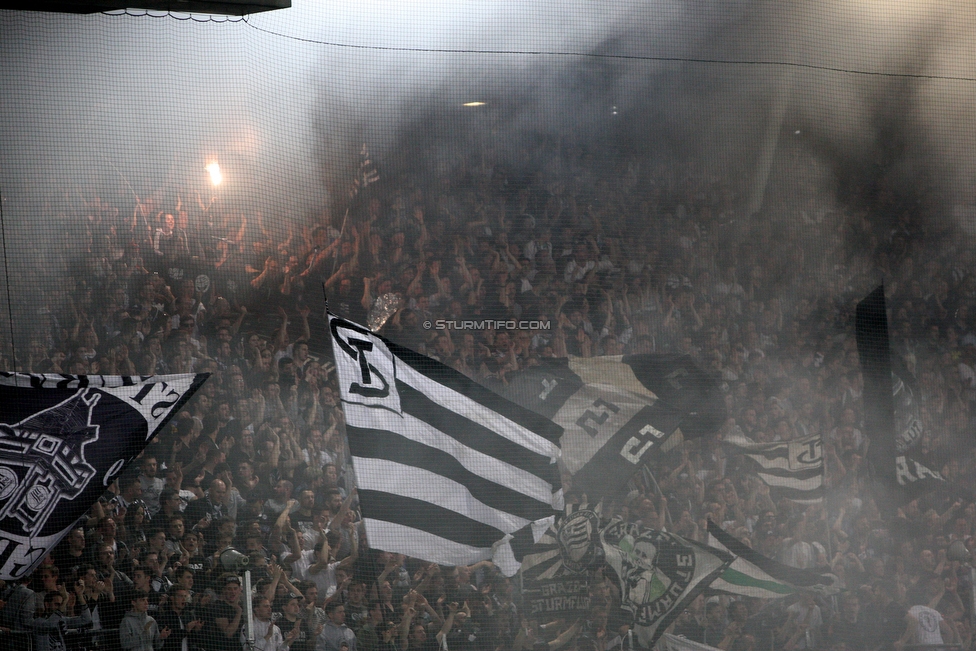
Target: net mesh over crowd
(489, 326)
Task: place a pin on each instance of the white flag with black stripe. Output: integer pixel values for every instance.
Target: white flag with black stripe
(792, 469)
(446, 470)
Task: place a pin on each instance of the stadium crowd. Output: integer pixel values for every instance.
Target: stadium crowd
(640, 260)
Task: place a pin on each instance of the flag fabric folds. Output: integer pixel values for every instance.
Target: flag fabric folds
(660, 574)
(446, 470)
(792, 469)
(63, 440)
(617, 412)
(753, 575)
(891, 411)
(366, 175)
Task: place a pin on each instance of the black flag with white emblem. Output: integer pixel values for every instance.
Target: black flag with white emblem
(63, 440)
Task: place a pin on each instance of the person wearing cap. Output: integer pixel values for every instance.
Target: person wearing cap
(223, 618)
(291, 619)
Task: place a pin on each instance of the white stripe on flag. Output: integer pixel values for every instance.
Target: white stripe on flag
(756, 577)
(461, 404)
(424, 449)
(481, 464)
(419, 484)
(775, 481)
(421, 544)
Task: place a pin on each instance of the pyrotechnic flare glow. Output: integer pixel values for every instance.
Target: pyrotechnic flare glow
(215, 176)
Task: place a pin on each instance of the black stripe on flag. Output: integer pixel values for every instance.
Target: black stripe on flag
(447, 376)
(424, 516)
(798, 475)
(780, 452)
(471, 434)
(367, 443)
(797, 494)
(446, 470)
(898, 478)
(779, 571)
(786, 477)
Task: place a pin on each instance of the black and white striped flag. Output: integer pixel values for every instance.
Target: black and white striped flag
(792, 469)
(446, 470)
(366, 175)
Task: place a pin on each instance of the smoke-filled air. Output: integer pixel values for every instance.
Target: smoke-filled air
(711, 185)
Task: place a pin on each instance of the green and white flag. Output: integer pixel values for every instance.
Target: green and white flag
(659, 574)
(753, 575)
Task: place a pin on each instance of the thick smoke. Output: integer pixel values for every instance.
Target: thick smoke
(880, 95)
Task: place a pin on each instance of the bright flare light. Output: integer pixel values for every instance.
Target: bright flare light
(215, 176)
(473, 104)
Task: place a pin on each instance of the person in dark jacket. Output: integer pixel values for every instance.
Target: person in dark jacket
(49, 628)
(21, 607)
(182, 622)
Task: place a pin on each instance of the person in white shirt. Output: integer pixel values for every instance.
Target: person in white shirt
(925, 627)
(318, 565)
(267, 636)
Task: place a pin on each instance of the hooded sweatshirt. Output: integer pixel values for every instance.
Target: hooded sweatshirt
(139, 632)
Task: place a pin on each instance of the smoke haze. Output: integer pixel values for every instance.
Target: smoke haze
(123, 105)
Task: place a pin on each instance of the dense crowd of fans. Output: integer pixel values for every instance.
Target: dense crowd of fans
(639, 260)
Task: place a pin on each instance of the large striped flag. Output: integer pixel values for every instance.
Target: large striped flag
(792, 469)
(446, 470)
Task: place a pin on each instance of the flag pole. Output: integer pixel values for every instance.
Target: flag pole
(342, 230)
